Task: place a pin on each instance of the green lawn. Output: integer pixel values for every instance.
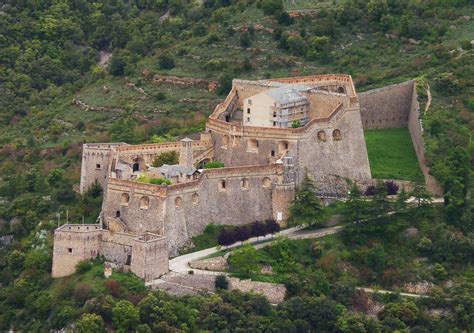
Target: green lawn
(391, 154)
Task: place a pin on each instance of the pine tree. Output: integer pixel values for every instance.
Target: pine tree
(307, 208)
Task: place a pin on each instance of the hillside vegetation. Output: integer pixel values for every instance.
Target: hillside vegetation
(107, 55)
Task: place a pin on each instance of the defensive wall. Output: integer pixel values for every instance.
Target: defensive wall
(95, 163)
(146, 255)
(397, 106)
(234, 195)
(330, 149)
(97, 159)
(387, 107)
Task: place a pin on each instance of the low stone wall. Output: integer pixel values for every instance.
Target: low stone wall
(274, 292)
(211, 264)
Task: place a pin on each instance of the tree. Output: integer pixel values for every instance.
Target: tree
(90, 322)
(307, 208)
(257, 229)
(422, 200)
(272, 226)
(241, 234)
(245, 261)
(271, 7)
(166, 61)
(125, 316)
(245, 40)
(167, 157)
(226, 237)
(222, 282)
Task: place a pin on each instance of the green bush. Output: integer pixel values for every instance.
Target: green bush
(167, 157)
(222, 282)
(166, 61)
(214, 165)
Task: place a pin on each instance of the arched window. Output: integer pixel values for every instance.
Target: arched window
(225, 141)
(267, 182)
(283, 147)
(124, 199)
(178, 202)
(244, 183)
(322, 136)
(341, 90)
(253, 145)
(336, 135)
(144, 202)
(195, 199)
(222, 185)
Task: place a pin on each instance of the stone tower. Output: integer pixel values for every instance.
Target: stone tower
(283, 191)
(186, 153)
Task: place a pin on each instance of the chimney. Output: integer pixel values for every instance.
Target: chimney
(186, 153)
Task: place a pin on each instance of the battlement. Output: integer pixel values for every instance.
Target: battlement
(221, 126)
(78, 228)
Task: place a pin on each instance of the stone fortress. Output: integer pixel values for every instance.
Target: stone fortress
(268, 134)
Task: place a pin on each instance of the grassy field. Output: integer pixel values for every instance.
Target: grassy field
(391, 154)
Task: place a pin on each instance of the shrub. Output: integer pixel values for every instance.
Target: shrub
(82, 292)
(125, 315)
(392, 187)
(257, 229)
(316, 249)
(272, 226)
(165, 61)
(83, 266)
(226, 237)
(114, 287)
(370, 190)
(222, 282)
(270, 7)
(167, 157)
(245, 40)
(90, 322)
(214, 165)
(241, 234)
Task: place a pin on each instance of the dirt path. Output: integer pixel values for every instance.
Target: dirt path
(430, 98)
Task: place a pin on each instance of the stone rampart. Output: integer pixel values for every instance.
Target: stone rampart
(74, 243)
(387, 107)
(415, 126)
(95, 163)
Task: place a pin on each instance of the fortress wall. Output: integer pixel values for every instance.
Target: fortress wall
(415, 126)
(246, 89)
(95, 163)
(74, 243)
(323, 103)
(148, 152)
(387, 107)
(330, 161)
(136, 219)
(149, 258)
(208, 203)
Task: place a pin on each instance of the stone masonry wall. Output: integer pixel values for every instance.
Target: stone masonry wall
(208, 203)
(387, 107)
(95, 162)
(72, 244)
(415, 126)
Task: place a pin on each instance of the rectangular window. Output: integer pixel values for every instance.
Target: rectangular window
(250, 102)
(274, 114)
(69, 249)
(248, 110)
(274, 123)
(97, 166)
(248, 119)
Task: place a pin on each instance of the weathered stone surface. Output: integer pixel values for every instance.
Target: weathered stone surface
(211, 264)
(274, 292)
